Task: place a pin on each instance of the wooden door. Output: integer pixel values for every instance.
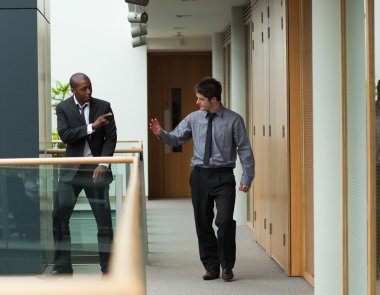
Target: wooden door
(279, 195)
(270, 108)
(260, 105)
(171, 81)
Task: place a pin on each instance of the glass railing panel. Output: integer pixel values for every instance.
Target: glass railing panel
(129, 144)
(83, 225)
(30, 252)
(25, 228)
(27, 195)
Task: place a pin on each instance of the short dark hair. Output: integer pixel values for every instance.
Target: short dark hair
(209, 87)
(75, 78)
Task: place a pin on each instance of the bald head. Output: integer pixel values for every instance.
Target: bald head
(77, 78)
(81, 87)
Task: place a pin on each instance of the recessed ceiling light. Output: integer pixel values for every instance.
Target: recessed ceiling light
(179, 28)
(178, 35)
(183, 15)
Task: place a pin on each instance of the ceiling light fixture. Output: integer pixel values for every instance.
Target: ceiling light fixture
(138, 17)
(138, 31)
(138, 2)
(139, 41)
(183, 15)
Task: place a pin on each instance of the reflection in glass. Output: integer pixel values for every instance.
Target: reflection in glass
(26, 239)
(19, 221)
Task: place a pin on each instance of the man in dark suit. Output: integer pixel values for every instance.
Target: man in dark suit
(87, 126)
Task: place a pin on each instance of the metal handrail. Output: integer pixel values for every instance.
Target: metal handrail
(127, 267)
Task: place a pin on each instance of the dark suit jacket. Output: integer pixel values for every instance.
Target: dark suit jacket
(72, 130)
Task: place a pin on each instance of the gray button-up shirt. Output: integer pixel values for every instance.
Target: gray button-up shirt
(228, 138)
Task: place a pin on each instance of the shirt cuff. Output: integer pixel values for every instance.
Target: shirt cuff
(89, 129)
(246, 180)
(104, 164)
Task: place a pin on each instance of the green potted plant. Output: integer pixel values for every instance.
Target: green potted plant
(60, 92)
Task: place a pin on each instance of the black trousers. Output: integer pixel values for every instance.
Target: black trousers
(98, 197)
(209, 186)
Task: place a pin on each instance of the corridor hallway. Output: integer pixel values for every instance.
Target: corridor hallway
(174, 265)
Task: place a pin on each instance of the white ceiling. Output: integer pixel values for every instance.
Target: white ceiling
(189, 18)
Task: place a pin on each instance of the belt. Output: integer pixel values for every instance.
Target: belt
(215, 168)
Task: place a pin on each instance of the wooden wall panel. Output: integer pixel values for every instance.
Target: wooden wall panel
(279, 191)
(155, 154)
(295, 135)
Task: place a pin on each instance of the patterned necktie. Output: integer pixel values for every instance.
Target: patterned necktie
(207, 153)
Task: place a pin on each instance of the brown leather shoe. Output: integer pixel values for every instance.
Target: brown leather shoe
(227, 275)
(211, 275)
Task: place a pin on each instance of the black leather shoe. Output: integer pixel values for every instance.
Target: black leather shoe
(211, 275)
(227, 275)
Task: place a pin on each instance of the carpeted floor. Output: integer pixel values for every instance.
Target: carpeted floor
(174, 265)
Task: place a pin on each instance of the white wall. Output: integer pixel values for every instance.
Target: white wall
(357, 180)
(179, 44)
(93, 37)
(217, 57)
(327, 131)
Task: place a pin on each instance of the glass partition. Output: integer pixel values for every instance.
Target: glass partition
(83, 224)
(29, 191)
(23, 235)
(129, 144)
(27, 195)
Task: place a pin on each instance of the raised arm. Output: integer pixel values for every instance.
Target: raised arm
(178, 136)
(155, 126)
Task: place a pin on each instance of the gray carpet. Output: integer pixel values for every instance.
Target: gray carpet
(174, 265)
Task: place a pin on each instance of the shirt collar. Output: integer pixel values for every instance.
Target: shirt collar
(218, 112)
(77, 103)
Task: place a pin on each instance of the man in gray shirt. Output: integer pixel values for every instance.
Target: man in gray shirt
(218, 135)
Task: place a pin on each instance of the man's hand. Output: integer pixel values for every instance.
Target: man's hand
(155, 126)
(101, 121)
(243, 187)
(99, 173)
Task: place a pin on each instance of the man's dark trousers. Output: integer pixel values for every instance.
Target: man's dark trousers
(98, 197)
(209, 185)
